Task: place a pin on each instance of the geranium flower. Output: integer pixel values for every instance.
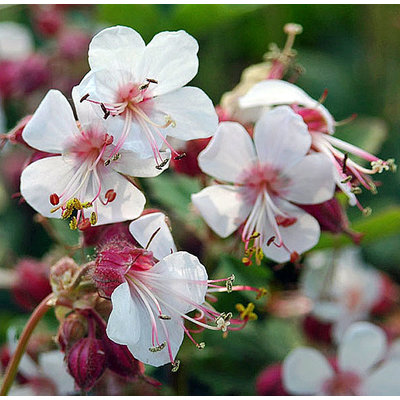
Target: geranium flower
(154, 288)
(268, 176)
(344, 292)
(362, 368)
(321, 125)
(138, 89)
(77, 180)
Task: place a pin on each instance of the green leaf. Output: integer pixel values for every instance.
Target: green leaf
(383, 224)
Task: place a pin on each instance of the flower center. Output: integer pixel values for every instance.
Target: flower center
(134, 102)
(262, 186)
(87, 152)
(342, 384)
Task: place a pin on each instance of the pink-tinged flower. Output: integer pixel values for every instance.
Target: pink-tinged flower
(80, 183)
(348, 174)
(344, 292)
(138, 89)
(268, 175)
(362, 368)
(152, 291)
(269, 382)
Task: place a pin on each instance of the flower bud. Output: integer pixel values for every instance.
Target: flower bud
(73, 44)
(48, 20)
(114, 260)
(104, 233)
(33, 73)
(62, 273)
(389, 295)
(120, 360)
(32, 283)
(317, 330)
(72, 329)
(86, 362)
(332, 218)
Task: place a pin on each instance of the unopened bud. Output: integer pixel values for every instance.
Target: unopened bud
(70, 331)
(87, 362)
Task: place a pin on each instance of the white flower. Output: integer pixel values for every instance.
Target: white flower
(362, 367)
(138, 89)
(342, 292)
(150, 307)
(268, 175)
(16, 42)
(77, 181)
(321, 124)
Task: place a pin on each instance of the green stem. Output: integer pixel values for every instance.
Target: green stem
(12, 367)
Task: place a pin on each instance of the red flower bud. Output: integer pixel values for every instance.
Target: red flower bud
(70, 331)
(87, 362)
(32, 283)
(120, 360)
(317, 330)
(269, 382)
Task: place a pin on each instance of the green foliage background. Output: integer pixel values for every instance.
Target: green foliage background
(354, 52)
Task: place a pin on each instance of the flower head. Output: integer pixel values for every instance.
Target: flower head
(79, 182)
(360, 371)
(138, 90)
(268, 176)
(155, 289)
(321, 125)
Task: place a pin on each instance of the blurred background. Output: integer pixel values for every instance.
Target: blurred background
(353, 51)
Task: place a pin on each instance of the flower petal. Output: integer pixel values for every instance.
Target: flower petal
(171, 59)
(362, 346)
(185, 278)
(281, 138)
(384, 381)
(52, 125)
(222, 208)
(85, 110)
(125, 320)
(128, 204)
(131, 164)
(115, 47)
(273, 92)
(191, 110)
(229, 152)
(143, 228)
(312, 180)
(304, 371)
(41, 179)
(299, 237)
(131, 323)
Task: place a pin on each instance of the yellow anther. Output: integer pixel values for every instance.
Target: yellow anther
(86, 204)
(157, 348)
(201, 345)
(356, 190)
(391, 163)
(367, 211)
(67, 213)
(246, 313)
(347, 179)
(261, 293)
(246, 261)
(93, 218)
(169, 121)
(255, 235)
(73, 224)
(175, 365)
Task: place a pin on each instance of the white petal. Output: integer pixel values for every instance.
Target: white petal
(304, 371)
(54, 367)
(123, 325)
(143, 228)
(192, 111)
(281, 138)
(128, 204)
(228, 154)
(394, 351)
(52, 125)
(185, 281)
(115, 47)
(273, 92)
(300, 237)
(171, 59)
(41, 179)
(362, 346)
(85, 110)
(384, 381)
(328, 311)
(131, 164)
(222, 208)
(312, 180)
(130, 323)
